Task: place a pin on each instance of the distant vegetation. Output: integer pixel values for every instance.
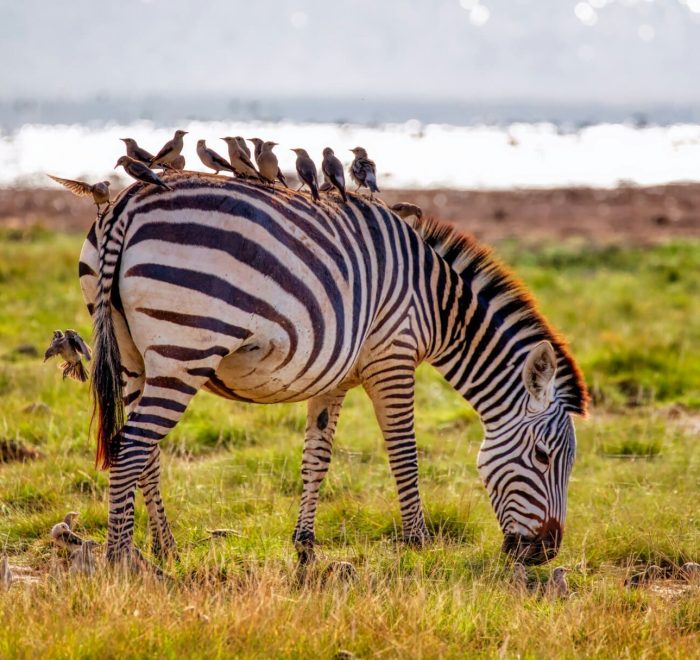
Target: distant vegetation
(633, 321)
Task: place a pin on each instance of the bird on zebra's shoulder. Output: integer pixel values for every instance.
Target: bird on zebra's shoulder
(171, 149)
(82, 559)
(70, 346)
(557, 586)
(64, 537)
(6, 576)
(333, 172)
(268, 165)
(363, 171)
(306, 169)
(99, 191)
(137, 153)
(519, 578)
(141, 172)
(239, 159)
(211, 159)
(242, 144)
(178, 163)
(257, 148)
(406, 210)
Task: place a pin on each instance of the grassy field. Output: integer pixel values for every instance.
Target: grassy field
(632, 318)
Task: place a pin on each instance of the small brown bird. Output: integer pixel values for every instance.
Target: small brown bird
(63, 537)
(364, 171)
(240, 160)
(137, 153)
(82, 559)
(242, 144)
(178, 163)
(6, 576)
(405, 210)
(99, 191)
(306, 169)
(70, 518)
(333, 172)
(211, 159)
(649, 574)
(268, 166)
(557, 586)
(70, 346)
(257, 148)
(519, 578)
(171, 149)
(141, 172)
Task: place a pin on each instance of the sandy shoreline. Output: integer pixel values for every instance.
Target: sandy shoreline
(631, 214)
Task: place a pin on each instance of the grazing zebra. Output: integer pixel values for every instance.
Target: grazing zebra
(261, 296)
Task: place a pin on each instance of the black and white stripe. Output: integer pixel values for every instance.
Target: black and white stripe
(262, 296)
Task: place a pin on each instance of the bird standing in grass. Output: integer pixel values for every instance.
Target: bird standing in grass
(64, 537)
(70, 346)
(6, 576)
(363, 171)
(137, 153)
(557, 586)
(171, 150)
(82, 559)
(99, 191)
(333, 172)
(268, 165)
(211, 159)
(406, 210)
(306, 169)
(239, 159)
(140, 172)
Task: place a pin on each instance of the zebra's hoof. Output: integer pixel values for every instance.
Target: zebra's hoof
(339, 572)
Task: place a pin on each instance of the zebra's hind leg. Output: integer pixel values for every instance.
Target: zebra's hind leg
(392, 392)
(321, 420)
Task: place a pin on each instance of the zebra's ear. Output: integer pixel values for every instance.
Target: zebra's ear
(538, 374)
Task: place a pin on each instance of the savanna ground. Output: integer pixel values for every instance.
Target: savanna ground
(630, 311)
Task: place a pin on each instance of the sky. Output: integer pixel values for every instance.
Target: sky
(605, 51)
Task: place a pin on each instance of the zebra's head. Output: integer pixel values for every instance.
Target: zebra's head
(526, 459)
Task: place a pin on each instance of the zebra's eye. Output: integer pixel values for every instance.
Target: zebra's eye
(541, 454)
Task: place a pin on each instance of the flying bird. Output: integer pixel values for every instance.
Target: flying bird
(364, 171)
(64, 537)
(171, 149)
(239, 159)
(70, 346)
(306, 169)
(333, 172)
(99, 191)
(211, 159)
(405, 210)
(140, 172)
(557, 586)
(137, 153)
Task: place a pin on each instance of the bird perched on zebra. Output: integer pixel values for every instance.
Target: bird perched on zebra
(406, 210)
(557, 585)
(364, 171)
(64, 537)
(257, 148)
(137, 153)
(239, 159)
(242, 144)
(99, 190)
(70, 346)
(211, 159)
(268, 165)
(306, 170)
(178, 163)
(141, 172)
(262, 299)
(333, 172)
(170, 150)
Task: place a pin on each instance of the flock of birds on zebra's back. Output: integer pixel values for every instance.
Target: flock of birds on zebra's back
(139, 163)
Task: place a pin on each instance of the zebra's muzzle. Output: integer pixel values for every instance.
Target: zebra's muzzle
(537, 550)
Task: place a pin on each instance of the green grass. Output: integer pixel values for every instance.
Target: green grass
(632, 318)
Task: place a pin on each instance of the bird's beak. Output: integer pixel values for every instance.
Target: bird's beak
(123, 139)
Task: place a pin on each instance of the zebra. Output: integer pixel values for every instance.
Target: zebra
(263, 297)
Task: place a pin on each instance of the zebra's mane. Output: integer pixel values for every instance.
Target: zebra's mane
(473, 261)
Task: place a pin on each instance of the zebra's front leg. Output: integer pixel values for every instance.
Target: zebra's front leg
(321, 420)
(392, 393)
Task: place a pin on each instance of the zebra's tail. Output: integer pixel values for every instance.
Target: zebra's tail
(108, 405)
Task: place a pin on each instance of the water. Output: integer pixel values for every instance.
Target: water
(408, 155)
